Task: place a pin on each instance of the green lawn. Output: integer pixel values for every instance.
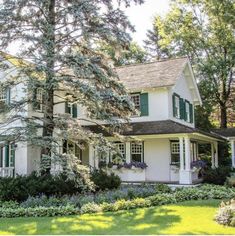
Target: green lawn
(193, 217)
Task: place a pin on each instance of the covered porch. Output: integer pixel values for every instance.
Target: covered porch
(229, 134)
(168, 158)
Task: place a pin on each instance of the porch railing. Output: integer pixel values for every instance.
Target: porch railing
(6, 171)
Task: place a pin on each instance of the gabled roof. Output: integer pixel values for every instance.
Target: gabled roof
(152, 75)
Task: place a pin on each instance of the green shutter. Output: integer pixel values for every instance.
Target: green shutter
(6, 155)
(67, 108)
(182, 109)
(191, 112)
(174, 106)
(144, 106)
(35, 103)
(75, 113)
(12, 155)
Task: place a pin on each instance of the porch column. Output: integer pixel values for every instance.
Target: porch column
(91, 156)
(216, 155)
(185, 174)
(212, 156)
(181, 153)
(233, 152)
(187, 154)
(128, 152)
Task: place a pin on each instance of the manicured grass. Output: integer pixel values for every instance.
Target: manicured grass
(192, 217)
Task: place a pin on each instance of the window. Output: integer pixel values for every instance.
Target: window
(121, 147)
(73, 148)
(176, 105)
(187, 111)
(137, 151)
(175, 152)
(71, 108)
(3, 96)
(12, 155)
(39, 99)
(7, 155)
(136, 100)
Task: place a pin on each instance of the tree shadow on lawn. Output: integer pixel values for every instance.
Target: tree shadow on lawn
(138, 221)
(169, 219)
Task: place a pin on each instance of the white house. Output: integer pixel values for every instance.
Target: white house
(163, 135)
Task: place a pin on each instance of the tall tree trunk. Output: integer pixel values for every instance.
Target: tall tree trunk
(48, 124)
(223, 116)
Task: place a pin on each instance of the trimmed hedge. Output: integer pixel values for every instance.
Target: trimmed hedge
(38, 212)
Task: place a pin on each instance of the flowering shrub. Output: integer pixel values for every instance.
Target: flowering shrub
(226, 213)
(198, 164)
(136, 164)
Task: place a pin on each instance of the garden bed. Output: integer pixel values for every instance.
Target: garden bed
(130, 197)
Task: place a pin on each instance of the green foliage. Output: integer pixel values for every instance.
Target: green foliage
(216, 176)
(38, 212)
(203, 30)
(130, 55)
(63, 206)
(230, 181)
(226, 213)
(103, 180)
(90, 207)
(21, 187)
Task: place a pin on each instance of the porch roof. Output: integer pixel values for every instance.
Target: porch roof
(225, 132)
(159, 128)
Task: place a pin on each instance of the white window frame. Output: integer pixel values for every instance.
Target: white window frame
(3, 95)
(175, 147)
(137, 148)
(135, 97)
(177, 106)
(70, 108)
(187, 111)
(39, 98)
(122, 150)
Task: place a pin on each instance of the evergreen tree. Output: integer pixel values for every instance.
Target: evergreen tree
(57, 55)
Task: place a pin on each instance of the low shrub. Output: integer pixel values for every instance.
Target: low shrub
(9, 204)
(38, 211)
(230, 181)
(21, 187)
(104, 181)
(226, 213)
(66, 205)
(216, 176)
(91, 207)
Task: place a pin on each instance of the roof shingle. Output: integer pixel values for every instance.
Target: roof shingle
(151, 75)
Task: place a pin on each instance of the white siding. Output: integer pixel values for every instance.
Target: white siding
(157, 157)
(182, 89)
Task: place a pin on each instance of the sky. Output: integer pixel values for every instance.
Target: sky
(141, 16)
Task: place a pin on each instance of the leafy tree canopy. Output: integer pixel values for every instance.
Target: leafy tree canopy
(204, 31)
